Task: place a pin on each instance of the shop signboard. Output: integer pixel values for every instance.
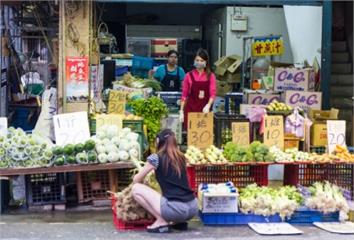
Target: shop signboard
(274, 131)
(304, 100)
(108, 119)
(77, 79)
(3, 126)
(116, 102)
(200, 131)
(241, 133)
(294, 79)
(267, 46)
(71, 128)
(262, 98)
(335, 134)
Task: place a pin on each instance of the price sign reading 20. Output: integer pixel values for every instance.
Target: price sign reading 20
(200, 130)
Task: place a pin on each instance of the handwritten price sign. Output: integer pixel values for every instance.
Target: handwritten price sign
(3, 126)
(274, 131)
(108, 119)
(335, 134)
(116, 102)
(241, 133)
(200, 130)
(71, 128)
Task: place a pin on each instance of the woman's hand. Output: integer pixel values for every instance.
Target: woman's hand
(139, 177)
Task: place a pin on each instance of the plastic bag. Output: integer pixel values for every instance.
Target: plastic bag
(295, 124)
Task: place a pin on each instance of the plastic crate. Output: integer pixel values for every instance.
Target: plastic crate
(135, 125)
(307, 174)
(142, 63)
(132, 225)
(240, 175)
(235, 218)
(308, 216)
(120, 71)
(172, 100)
(45, 188)
(351, 150)
(223, 127)
(124, 178)
(233, 102)
(318, 149)
(93, 185)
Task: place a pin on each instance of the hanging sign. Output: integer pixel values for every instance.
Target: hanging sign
(96, 81)
(274, 131)
(335, 134)
(3, 126)
(71, 128)
(267, 46)
(200, 130)
(241, 133)
(116, 102)
(77, 79)
(108, 119)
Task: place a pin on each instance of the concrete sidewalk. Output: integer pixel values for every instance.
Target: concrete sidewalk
(98, 225)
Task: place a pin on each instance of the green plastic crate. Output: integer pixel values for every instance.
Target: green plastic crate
(135, 125)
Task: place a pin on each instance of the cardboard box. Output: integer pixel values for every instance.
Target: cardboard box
(222, 88)
(319, 127)
(262, 98)
(294, 79)
(219, 203)
(305, 100)
(227, 69)
(161, 46)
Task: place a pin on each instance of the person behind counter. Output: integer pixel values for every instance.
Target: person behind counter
(177, 204)
(199, 88)
(170, 75)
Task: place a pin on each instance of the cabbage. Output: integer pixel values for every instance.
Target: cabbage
(134, 153)
(132, 136)
(123, 155)
(125, 145)
(111, 148)
(102, 158)
(113, 157)
(100, 149)
(116, 141)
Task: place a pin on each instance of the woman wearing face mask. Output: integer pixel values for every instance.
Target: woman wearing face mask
(199, 88)
(177, 204)
(170, 75)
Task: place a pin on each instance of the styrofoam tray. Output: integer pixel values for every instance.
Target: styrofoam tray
(274, 228)
(336, 227)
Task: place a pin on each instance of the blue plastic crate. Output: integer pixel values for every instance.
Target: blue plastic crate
(120, 71)
(232, 103)
(235, 218)
(309, 216)
(142, 63)
(351, 149)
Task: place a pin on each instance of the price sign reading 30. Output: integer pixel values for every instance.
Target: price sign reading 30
(200, 130)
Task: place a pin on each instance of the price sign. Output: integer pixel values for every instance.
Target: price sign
(274, 131)
(71, 128)
(108, 119)
(200, 130)
(335, 134)
(116, 102)
(241, 133)
(3, 126)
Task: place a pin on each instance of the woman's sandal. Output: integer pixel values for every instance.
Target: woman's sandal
(160, 229)
(182, 226)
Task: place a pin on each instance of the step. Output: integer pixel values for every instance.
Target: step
(341, 91)
(340, 57)
(341, 103)
(344, 68)
(342, 79)
(339, 46)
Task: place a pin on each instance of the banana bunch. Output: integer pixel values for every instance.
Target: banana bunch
(343, 154)
(324, 158)
(278, 107)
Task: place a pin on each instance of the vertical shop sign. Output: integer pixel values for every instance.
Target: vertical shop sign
(77, 79)
(200, 130)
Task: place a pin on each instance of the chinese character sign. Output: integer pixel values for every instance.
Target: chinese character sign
(200, 130)
(267, 46)
(77, 78)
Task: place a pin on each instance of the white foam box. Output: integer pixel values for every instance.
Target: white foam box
(218, 203)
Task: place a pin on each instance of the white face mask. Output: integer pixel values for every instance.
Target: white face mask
(199, 65)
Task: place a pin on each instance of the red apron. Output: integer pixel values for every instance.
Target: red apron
(197, 98)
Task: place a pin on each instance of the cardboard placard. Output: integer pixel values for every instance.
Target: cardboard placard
(294, 79)
(241, 133)
(336, 227)
(108, 119)
(335, 134)
(116, 102)
(71, 128)
(200, 130)
(3, 126)
(219, 203)
(305, 100)
(274, 228)
(274, 131)
(262, 98)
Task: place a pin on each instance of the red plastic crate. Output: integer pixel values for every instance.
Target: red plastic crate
(132, 225)
(240, 174)
(306, 174)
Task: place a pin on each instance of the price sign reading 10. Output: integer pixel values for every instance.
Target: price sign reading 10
(274, 131)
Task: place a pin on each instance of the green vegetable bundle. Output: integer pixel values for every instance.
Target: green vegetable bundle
(255, 152)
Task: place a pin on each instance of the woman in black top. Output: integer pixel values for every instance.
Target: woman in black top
(177, 203)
